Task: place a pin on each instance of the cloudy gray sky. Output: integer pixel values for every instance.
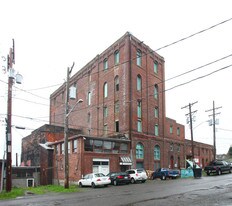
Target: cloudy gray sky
(50, 35)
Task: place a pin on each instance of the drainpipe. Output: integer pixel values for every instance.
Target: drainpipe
(130, 97)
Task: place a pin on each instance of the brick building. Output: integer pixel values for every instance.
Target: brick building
(122, 91)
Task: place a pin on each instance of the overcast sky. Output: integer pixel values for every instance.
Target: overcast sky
(51, 35)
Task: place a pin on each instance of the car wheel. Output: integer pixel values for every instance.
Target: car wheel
(80, 184)
(230, 171)
(132, 180)
(208, 173)
(93, 185)
(115, 183)
(163, 177)
(219, 172)
(143, 181)
(105, 185)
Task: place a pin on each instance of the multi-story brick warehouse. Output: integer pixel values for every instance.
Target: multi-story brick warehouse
(122, 91)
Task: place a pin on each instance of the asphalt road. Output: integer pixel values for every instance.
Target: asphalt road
(213, 190)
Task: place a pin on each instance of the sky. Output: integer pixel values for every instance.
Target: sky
(50, 35)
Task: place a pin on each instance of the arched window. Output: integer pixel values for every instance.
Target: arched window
(157, 152)
(139, 151)
(105, 90)
(139, 58)
(116, 57)
(156, 91)
(139, 83)
(116, 83)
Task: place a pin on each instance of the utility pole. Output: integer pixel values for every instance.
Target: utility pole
(66, 158)
(214, 128)
(191, 124)
(12, 77)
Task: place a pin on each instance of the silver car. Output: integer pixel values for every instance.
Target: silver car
(137, 175)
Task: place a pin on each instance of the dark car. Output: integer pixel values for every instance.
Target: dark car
(218, 167)
(119, 178)
(164, 173)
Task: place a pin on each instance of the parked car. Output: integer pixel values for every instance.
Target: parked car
(137, 175)
(119, 178)
(218, 167)
(94, 179)
(164, 173)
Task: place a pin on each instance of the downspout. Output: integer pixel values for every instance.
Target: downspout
(164, 114)
(98, 96)
(130, 97)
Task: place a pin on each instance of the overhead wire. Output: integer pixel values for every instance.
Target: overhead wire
(27, 91)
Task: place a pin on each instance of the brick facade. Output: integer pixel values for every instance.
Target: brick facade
(123, 94)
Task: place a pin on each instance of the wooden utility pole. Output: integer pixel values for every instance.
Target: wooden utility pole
(191, 124)
(214, 127)
(66, 159)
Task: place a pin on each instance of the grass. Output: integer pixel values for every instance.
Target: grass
(17, 192)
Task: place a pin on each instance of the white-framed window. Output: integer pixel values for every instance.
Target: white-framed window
(157, 152)
(116, 57)
(139, 116)
(105, 90)
(116, 83)
(74, 149)
(139, 83)
(156, 112)
(155, 67)
(139, 151)
(156, 91)
(105, 64)
(139, 58)
(89, 98)
(156, 130)
(171, 129)
(105, 111)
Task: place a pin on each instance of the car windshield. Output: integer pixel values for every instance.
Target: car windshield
(140, 170)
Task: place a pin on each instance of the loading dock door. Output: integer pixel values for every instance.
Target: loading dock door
(101, 166)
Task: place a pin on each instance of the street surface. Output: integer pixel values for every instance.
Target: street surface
(212, 190)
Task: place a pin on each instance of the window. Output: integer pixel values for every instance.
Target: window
(171, 147)
(156, 130)
(107, 146)
(171, 129)
(98, 145)
(156, 112)
(89, 98)
(178, 131)
(157, 152)
(123, 148)
(105, 129)
(74, 145)
(116, 83)
(139, 116)
(105, 111)
(105, 90)
(139, 58)
(69, 146)
(156, 91)
(139, 151)
(105, 64)
(178, 148)
(139, 83)
(155, 67)
(116, 107)
(62, 148)
(88, 145)
(117, 126)
(116, 57)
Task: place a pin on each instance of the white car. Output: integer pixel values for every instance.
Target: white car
(137, 175)
(94, 179)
